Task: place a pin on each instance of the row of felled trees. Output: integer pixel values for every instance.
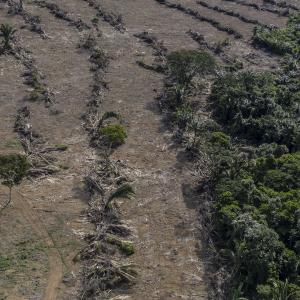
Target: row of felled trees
(13, 167)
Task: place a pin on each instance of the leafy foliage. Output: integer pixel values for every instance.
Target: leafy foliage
(113, 134)
(281, 41)
(124, 191)
(256, 193)
(184, 65)
(13, 168)
(259, 107)
(99, 58)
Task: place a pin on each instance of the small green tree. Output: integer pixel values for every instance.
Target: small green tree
(7, 32)
(13, 168)
(184, 65)
(113, 134)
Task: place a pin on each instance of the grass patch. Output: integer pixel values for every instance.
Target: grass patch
(13, 144)
(4, 263)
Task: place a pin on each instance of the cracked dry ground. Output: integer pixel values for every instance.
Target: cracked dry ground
(41, 230)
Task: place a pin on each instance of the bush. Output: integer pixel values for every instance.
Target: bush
(220, 139)
(13, 168)
(99, 58)
(113, 134)
(183, 116)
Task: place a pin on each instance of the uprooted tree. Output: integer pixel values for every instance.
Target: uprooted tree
(13, 168)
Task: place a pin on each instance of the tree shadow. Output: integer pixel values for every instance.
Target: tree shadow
(81, 193)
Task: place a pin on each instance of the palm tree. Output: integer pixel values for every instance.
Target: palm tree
(7, 32)
(124, 191)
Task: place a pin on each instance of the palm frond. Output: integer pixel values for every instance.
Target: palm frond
(124, 191)
(7, 30)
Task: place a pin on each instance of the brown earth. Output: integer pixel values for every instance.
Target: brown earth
(42, 230)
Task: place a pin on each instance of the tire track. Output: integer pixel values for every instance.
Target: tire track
(55, 260)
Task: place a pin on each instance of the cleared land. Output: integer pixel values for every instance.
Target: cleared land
(42, 230)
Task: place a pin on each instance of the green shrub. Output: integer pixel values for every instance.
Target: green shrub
(99, 58)
(220, 139)
(113, 134)
(277, 289)
(95, 20)
(183, 116)
(127, 247)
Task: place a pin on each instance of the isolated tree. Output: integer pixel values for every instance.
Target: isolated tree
(184, 65)
(13, 168)
(7, 32)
